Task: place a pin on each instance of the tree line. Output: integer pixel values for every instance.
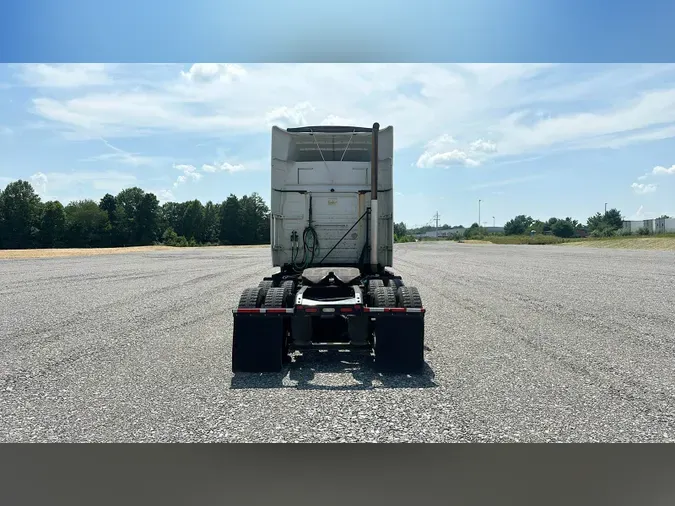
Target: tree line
(605, 224)
(599, 225)
(130, 218)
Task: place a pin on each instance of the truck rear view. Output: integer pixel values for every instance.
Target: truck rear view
(332, 238)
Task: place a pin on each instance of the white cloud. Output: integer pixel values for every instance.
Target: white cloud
(69, 75)
(189, 173)
(642, 189)
(612, 126)
(446, 159)
(210, 72)
(498, 102)
(440, 152)
(643, 177)
(332, 119)
(64, 185)
(125, 157)
(441, 143)
(5, 130)
(164, 195)
(290, 116)
(39, 182)
(663, 170)
(506, 182)
(223, 167)
(199, 102)
(193, 173)
(641, 214)
(133, 159)
(482, 146)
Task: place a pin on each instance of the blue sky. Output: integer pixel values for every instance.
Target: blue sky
(539, 139)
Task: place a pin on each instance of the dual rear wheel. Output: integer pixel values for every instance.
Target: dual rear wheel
(260, 343)
(404, 296)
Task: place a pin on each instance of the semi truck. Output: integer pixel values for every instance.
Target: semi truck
(332, 238)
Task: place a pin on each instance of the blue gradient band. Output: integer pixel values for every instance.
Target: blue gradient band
(349, 30)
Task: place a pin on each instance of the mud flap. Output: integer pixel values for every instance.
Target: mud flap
(358, 330)
(301, 330)
(258, 343)
(399, 343)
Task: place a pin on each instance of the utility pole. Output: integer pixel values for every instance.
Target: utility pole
(436, 217)
(479, 201)
(493, 222)
(605, 207)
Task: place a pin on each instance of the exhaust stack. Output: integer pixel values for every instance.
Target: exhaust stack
(374, 214)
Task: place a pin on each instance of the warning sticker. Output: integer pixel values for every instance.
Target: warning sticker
(332, 202)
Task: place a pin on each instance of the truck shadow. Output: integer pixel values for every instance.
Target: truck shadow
(301, 373)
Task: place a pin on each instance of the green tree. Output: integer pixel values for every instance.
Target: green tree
(400, 230)
(53, 225)
(518, 225)
(563, 228)
(475, 231)
(172, 216)
(20, 215)
(147, 219)
(613, 219)
(109, 205)
(254, 220)
(87, 224)
(229, 221)
(574, 222)
(605, 224)
(538, 226)
(211, 223)
(594, 222)
(170, 237)
(193, 221)
(128, 204)
(116, 235)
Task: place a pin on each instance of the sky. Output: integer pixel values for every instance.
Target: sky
(537, 139)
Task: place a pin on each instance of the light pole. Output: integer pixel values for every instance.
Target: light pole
(493, 222)
(479, 201)
(605, 207)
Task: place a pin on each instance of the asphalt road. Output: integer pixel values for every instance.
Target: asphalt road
(526, 344)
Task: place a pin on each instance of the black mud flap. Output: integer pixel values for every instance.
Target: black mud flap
(258, 343)
(399, 343)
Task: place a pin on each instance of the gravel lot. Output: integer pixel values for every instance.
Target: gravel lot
(526, 343)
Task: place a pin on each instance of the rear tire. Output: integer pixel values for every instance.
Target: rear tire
(373, 285)
(399, 337)
(384, 296)
(395, 283)
(289, 284)
(277, 297)
(408, 297)
(265, 285)
(251, 298)
(259, 340)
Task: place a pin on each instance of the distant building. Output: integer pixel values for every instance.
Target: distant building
(494, 230)
(664, 225)
(632, 226)
(449, 232)
(655, 226)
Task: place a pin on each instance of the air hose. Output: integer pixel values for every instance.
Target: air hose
(310, 244)
(310, 248)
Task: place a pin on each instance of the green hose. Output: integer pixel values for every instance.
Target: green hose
(310, 247)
